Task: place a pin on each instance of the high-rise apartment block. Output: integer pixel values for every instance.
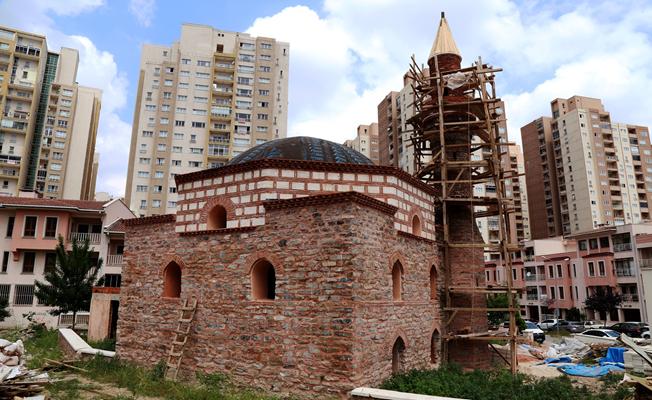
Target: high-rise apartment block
(49, 122)
(590, 170)
(205, 99)
(366, 141)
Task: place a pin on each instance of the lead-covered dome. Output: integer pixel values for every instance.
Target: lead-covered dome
(302, 148)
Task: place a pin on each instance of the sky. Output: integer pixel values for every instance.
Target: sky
(346, 55)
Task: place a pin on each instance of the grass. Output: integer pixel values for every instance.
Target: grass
(44, 343)
(149, 382)
(498, 385)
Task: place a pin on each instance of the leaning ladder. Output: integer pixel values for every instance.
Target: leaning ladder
(186, 315)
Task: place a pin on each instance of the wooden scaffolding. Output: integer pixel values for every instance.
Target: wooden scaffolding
(457, 144)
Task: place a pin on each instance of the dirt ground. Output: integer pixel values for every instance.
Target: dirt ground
(86, 389)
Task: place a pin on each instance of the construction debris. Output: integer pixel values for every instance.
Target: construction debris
(15, 379)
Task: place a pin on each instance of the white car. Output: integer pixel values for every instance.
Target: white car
(590, 336)
(548, 323)
(535, 331)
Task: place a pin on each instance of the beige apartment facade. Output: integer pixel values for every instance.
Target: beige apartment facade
(366, 142)
(49, 122)
(598, 172)
(202, 101)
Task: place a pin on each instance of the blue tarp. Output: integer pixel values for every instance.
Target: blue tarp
(555, 360)
(591, 372)
(615, 356)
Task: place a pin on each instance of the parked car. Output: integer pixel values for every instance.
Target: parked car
(537, 334)
(632, 329)
(606, 336)
(593, 325)
(548, 323)
(574, 327)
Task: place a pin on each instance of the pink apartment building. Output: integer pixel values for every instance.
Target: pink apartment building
(31, 226)
(557, 274)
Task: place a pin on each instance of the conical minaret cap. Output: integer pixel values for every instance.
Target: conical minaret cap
(444, 42)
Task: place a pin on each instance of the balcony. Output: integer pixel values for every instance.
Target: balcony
(532, 296)
(13, 125)
(93, 238)
(622, 247)
(645, 262)
(535, 277)
(114, 259)
(625, 272)
(630, 298)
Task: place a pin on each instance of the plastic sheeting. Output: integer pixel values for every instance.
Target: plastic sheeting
(589, 371)
(615, 356)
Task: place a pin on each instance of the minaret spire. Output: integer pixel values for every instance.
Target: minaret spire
(444, 42)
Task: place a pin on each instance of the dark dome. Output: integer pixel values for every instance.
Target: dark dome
(302, 148)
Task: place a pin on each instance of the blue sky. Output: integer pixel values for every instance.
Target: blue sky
(345, 55)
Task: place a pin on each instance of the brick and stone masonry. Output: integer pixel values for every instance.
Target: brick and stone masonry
(335, 322)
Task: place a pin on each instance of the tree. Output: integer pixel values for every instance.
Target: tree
(4, 312)
(603, 301)
(69, 285)
(496, 317)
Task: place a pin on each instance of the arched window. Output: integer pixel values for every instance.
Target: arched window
(172, 280)
(416, 226)
(398, 355)
(397, 280)
(263, 280)
(434, 347)
(433, 283)
(216, 218)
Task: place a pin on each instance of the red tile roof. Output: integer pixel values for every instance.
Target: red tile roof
(9, 201)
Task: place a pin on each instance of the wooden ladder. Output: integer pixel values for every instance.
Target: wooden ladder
(186, 316)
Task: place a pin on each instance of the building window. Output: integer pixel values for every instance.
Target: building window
(434, 347)
(433, 282)
(29, 257)
(416, 226)
(51, 227)
(263, 281)
(398, 355)
(593, 243)
(216, 218)
(5, 262)
(23, 295)
(4, 292)
(50, 262)
(601, 268)
(604, 242)
(551, 271)
(559, 272)
(397, 281)
(591, 268)
(582, 244)
(30, 227)
(172, 281)
(10, 226)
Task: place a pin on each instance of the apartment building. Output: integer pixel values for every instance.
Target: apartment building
(557, 274)
(201, 101)
(49, 122)
(366, 142)
(32, 226)
(591, 171)
(390, 146)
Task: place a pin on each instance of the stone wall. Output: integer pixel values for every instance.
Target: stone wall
(333, 322)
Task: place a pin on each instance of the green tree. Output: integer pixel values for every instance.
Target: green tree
(69, 285)
(603, 301)
(4, 312)
(496, 317)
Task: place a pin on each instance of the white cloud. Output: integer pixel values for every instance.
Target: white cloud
(343, 63)
(143, 10)
(97, 68)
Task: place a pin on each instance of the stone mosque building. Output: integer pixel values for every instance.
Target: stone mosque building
(314, 271)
